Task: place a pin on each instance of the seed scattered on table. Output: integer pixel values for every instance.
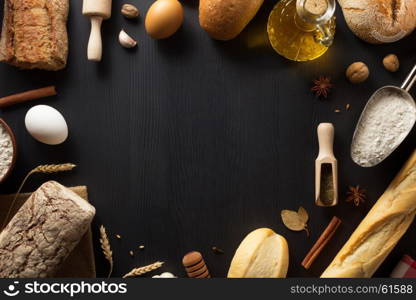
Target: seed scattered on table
(217, 250)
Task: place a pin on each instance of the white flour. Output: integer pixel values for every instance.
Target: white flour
(384, 125)
(6, 151)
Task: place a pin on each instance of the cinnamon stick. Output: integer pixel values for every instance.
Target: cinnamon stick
(321, 242)
(28, 95)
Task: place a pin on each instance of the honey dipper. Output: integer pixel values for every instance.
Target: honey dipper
(326, 168)
(195, 265)
(97, 11)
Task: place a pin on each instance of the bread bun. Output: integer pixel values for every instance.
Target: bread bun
(225, 19)
(262, 254)
(380, 21)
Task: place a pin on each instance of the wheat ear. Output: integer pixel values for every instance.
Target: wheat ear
(46, 169)
(143, 270)
(105, 246)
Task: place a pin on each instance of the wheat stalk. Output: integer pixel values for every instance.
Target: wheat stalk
(143, 270)
(105, 246)
(46, 169)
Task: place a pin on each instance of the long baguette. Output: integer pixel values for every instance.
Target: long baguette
(380, 230)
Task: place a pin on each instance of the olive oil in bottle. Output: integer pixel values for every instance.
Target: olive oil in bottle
(302, 30)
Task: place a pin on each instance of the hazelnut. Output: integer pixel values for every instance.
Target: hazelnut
(391, 63)
(129, 11)
(357, 72)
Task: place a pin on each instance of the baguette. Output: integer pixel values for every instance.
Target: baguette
(380, 230)
(225, 19)
(34, 34)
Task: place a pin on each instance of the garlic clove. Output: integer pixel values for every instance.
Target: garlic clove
(125, 40)
(165, 275)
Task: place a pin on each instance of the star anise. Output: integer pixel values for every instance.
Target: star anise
(322, 86)
(356, 195)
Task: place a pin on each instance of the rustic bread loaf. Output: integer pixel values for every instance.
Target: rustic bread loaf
(43, 232)
(380, 230)
(380, 21)
(34, 34)
(225, 19)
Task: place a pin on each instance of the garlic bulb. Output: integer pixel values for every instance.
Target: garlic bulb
(125, 40)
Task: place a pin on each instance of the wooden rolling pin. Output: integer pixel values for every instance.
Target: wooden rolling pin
(97, 11)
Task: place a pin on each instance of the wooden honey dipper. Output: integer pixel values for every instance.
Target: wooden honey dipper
(195, 265)
(97, 11)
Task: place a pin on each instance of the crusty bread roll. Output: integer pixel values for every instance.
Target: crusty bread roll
(262, 254)
(380, 21)
(34, 34)
(380, 230)
(225, 19)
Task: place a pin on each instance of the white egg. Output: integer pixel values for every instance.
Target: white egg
(46, 124)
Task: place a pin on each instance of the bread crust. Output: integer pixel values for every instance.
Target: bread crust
(43, 232)
(380, 230)
(34, 34)
(225, 19)
(380, 21)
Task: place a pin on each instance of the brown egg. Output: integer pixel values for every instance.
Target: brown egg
(164, 18)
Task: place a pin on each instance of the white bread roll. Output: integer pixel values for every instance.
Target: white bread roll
(262, 254)
(380, 230)
(380, 21)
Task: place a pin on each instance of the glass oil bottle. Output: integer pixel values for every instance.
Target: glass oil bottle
(302, 30)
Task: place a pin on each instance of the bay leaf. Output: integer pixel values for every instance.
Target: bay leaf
(295, 221)
(303, 214)
(292, 220)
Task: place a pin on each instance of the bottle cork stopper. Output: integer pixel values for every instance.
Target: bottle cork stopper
(316, 7)
(195, 265)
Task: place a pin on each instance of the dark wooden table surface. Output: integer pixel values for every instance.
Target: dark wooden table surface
(189, 143)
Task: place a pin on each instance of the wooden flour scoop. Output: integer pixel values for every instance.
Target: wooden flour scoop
(326, 169)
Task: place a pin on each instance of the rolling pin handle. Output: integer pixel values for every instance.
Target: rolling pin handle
(95, 47)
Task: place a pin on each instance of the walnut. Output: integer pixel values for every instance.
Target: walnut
(129, 11)
(357, 72)
(391, 63)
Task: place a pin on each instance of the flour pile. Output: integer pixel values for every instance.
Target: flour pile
(383, 127)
